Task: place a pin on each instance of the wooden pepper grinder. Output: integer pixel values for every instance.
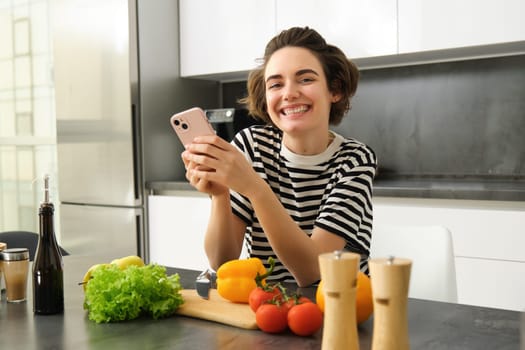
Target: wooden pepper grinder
(339, 276)
(390, 278)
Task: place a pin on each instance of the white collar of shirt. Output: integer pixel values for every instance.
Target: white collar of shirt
(316, 158)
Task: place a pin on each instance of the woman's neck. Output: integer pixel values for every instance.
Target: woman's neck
(308, 145)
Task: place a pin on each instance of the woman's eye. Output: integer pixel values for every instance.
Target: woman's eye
(306, 80)
(273, 86)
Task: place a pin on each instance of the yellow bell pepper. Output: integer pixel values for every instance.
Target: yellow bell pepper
(236, 278)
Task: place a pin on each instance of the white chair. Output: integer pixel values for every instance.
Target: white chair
(433, 273)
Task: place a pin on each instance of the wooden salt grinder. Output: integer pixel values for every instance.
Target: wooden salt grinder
(390, 278)
(339, 276)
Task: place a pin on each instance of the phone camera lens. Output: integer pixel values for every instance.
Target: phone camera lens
(176, 122)
(184, 126)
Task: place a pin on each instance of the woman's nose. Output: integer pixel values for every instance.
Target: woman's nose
(291, 92)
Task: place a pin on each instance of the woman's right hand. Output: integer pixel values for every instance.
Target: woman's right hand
(204, 186)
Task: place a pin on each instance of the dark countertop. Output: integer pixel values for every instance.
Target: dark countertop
(432, 325)
(163, 187)
(502, 189)
(498, 189)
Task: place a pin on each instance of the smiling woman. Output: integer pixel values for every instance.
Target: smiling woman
(298, 99)
(292, 189)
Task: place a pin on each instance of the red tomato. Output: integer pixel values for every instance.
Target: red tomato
(271, 318)
(305, 319)
(296, 301)
(258, 297)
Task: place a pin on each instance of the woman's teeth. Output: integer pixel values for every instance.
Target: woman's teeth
(295, 110)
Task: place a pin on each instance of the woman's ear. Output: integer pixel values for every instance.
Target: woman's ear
(336, 97)
(335, 90)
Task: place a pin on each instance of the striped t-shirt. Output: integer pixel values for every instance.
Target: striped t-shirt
(331, 190)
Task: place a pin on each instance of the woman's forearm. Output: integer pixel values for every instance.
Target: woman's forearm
(223, 239)
(297, 251)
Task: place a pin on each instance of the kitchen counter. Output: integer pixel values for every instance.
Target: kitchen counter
(500, 189)
(432, 325)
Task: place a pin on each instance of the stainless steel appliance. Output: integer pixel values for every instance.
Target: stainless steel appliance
(221, 119)
(99, 162)
(228, 121)
(116, 85)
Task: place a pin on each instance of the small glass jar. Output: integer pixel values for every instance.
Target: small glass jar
(15, 265)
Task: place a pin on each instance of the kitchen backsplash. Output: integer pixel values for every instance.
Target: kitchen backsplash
(450, 119)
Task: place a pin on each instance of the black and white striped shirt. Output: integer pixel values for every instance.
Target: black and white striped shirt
(331, 190)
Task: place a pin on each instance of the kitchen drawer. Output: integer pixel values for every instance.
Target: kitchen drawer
(481, 229)
(491, 283)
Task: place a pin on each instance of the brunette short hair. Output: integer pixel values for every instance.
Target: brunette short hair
(341, 73)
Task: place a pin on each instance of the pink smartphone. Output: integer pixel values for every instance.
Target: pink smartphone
(190, 124)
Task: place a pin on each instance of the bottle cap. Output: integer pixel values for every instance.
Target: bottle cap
(14, 254)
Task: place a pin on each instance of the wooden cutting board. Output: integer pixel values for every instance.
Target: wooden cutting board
(217, 309)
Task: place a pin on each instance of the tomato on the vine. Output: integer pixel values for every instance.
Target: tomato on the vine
(271, 318)
(275, 310)
(305, 319)
(265, 293)
(296, 300)
(260, 296)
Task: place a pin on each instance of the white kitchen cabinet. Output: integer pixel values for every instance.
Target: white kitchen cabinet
(223, 36)
(177, 224)
(488, 238)
(222, 40)
(176, 230)
(443, 24)
(359, 28)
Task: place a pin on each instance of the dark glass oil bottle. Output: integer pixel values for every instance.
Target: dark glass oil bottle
(48, 274)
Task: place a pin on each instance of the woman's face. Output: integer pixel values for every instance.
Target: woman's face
(297, 96)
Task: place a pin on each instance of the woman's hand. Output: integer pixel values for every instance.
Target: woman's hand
(212, 161)
(200, 184)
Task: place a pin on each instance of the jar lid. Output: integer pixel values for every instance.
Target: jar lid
(14, 254)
